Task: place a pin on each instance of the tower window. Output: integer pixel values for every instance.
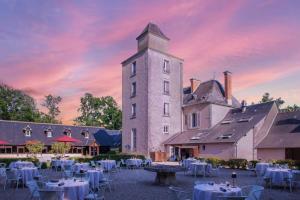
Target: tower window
(166, 109)
(133, 139)
(133, 89)
(166, 67)
(133, 68)
(166, 129)
(133, 110)
(27, 130)
(194, 120)
(166, 87)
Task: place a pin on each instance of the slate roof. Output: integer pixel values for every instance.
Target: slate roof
(208, 92)
(12, 132)
(237, 126)
(110, 138)
(154, 29)
(284, 133)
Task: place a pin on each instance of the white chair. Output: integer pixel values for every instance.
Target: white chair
(51, 194)
(214, 171)
(2, 165)
(177, 193)
(95, 195)
(68, 174)
(93, 164)
(11, 177)
(291, 182)
(33, 188)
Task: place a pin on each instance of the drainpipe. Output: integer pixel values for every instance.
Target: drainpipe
(235, 146)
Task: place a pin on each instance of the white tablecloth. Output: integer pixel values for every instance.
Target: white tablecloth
(20, 164)
(260, 168)
(187, 162)
(278, 176)
(73, 190)
(107, 164)
(200, 168)
(212, 192)
(134, 162)
(94, 177)
(27, 173)
(61, 163)
(81, 166)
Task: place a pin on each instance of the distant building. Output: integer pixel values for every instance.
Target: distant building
(93, 140)
(202, 120)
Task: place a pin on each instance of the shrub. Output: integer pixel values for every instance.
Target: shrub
(237, 163)
(291, 163)
(214, 161)
(253, 163)
(7, 161)
(44, 165)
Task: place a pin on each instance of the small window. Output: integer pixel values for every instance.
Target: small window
(166, 109)
(86, 135)
(245, 119)
(194, 120)
(133, 139)
(48, 132)
(166, 67)
(133, 89)
(27, 130)
(225, 136)
(195, 138)
(226, 121)
(166, 87)
(133, 110)
(133, 68)
(67, 132)
(166, 129)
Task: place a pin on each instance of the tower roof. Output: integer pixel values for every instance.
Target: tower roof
(154, 29)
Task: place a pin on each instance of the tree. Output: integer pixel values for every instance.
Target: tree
(292, 108)
(266, 98)
(102, 111)
(34, 147)
(51, 103)
(60, 148)
(16, 105)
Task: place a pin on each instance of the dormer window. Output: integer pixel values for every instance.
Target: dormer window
(27, 130)
(166, 67)
(67, 132)
(48, 132)
(86, 134)
(225, 136)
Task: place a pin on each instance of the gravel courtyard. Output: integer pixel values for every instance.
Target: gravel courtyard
(138, 185)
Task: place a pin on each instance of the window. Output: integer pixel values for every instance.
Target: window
(67, 132)
(133, 110)
(27, 130)
(194, 120)
(133, 69)
(48, 132)
(133, 89)
(166, 67)
(245, 119)
(185, 119)
(133, 139)
(203, 147)
(166, 129)
(166, 109)
(86, 135)
(227, 121)
(225, 136)
(166, 87)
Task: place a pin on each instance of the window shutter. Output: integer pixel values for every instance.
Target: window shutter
(198, 119)
(189, 121)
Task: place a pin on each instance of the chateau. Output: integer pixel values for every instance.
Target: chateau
(204, 119)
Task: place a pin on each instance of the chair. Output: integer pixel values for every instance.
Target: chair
(177, 193)
(93, 164)
(291, 182)
(50, 194)
(68, 174)
(106, 182)
(118, 166)
(2, 165)
(12, 176)
(68, 167)
(95, 195)
(33, 188)
(251, 192)
(123, 164)
(214, 171)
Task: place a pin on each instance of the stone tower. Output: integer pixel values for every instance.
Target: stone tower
(151, 94)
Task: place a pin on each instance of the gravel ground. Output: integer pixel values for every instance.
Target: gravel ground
(138, 185)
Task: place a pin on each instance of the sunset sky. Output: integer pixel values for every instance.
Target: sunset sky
(68, 48)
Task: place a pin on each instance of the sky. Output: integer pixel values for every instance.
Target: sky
(68, 48)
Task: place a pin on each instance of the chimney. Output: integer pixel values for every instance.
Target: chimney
(194, 84)
(244, 106)
(228, 87)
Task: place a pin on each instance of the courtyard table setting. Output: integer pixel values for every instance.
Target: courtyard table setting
(202, 168)
(261, 168)
(107, 164)
(72, 188)
(212, 191)
(187, 162)
(134, 162)
(26, 173)
(81, 166)
(61, 163)
(20, 164)
(278, 176)
(94, 177)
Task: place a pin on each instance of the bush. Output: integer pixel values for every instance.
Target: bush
(214, 161)
(7, 161)
(291, 163)
(112, 152)
(237, 163)
(253, 163)
(117, 157)
(44, 165)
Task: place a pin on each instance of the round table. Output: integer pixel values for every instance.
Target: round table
(134, 162)
(61, 163)
(260, 168)
(200, 167)
(278, 176)
(212, 192)
(187, 162)
(73, 190)
(107, 164)
(27, 173)
(165, 174)
(20, 164)
(94, 177)
(81, 166)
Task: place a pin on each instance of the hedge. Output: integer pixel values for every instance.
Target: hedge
(7, 161)
(116, 157)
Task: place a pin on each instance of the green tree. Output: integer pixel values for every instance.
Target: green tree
(266, 98)
(292, 108)
(51, 103)
(34, 147)
(99, 111)
(60, 148)
(16, 105)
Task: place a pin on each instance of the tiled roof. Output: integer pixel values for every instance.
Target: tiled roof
(13, 133)
(154, 29)
(208, 92)
(284, 133)
(235, 124)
